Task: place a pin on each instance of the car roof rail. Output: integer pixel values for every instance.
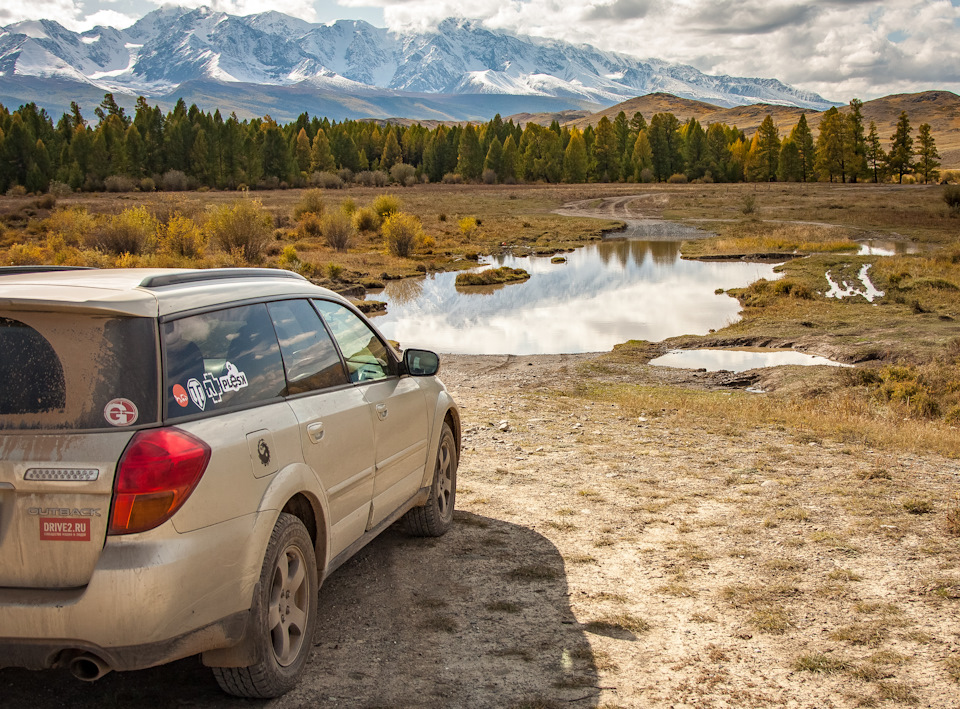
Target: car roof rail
(213, 274)
(15, 270)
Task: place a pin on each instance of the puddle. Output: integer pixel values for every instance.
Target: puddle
(879, 247)
(849, 290)
(606, 293)
(735, 360)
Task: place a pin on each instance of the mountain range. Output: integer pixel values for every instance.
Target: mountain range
(277, 64)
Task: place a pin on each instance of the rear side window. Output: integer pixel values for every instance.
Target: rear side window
(221, 360)
(310, 358)
(78, 372)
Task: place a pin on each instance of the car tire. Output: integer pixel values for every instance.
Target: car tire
(435, 517)
(285, 614)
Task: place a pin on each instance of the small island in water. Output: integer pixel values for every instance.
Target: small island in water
(492, 277)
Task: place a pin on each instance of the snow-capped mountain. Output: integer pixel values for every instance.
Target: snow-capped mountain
(170, 46)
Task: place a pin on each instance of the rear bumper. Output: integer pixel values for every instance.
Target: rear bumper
(153, 598)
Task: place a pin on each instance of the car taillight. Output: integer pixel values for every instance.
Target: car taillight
(156, 474)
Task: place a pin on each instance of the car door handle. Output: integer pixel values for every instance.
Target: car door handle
(315, 431)
(382, 411)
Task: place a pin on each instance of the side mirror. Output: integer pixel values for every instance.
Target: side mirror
(420, 363)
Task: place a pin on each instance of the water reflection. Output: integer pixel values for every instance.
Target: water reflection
(606, 293)
(717, 360)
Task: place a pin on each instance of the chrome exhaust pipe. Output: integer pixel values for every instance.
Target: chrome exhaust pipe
(88, 667)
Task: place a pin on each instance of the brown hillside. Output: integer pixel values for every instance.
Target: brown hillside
(941, 109)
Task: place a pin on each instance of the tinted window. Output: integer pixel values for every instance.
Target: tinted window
(73, 371)
(310, 358)
(221, 359)
(365, 353)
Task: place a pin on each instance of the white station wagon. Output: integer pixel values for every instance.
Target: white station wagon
(185, 455)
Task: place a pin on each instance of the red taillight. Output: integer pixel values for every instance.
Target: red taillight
(156, 475)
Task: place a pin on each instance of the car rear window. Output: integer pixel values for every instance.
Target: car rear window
(78, 372)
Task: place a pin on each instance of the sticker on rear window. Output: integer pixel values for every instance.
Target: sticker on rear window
(180, 395)
(120, 412)
(73, 529)
(196, 393)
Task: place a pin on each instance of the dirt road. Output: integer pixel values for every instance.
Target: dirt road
(604, 560)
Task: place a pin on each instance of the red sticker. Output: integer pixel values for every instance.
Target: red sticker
(120, 412)
(73, 529)
(180, 394)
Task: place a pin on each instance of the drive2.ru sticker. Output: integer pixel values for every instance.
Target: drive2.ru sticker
(71, 529)
(120, 412)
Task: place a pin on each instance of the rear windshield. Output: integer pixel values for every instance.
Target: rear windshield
(77, 372)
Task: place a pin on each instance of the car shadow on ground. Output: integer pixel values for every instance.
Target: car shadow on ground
(477, 618)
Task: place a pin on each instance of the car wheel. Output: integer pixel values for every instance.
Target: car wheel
(285, 614)
(434, 518)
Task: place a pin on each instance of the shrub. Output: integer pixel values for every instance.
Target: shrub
(452, 178)
(337, 230)
(244, 226)
(348, 206)
(130, 232)
(646, 175)
(45, 201)
(119, 183)
(59, 189)
(173, 181)
(73, 225)
(345, 174)
(489, 177)
(371, 178)
(748, 204)
(401, 233)
(951, 195)
(16, 191)
(365, 219)
(402, 173)
(147, 184)
(385, 204)
(310, 226)
(326, 180)
(677, 178)
(311, 202)
(181, 236)
(467, 225)
(334, 271)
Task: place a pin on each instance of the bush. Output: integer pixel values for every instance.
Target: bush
(173, 181)
(402, 173)
(73, 225)
(365, 219)
(147, 184)
(345, 174)
(244, 227)
(489, 177)
(385, 205)
(467, 225)
(326, 180)
(16, 191)
(130, 232)
(452, 178)
(310, 226)
(749, 204)
(677, 178)
(59, 189)
(119, 183)
(371, 178)
(951, 195)
(337, 230)
(401, 233)
(45, 201)
(646, 175)
(348, 206)
(181, 236)
(311, 202)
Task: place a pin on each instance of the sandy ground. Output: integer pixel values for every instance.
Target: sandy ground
(601, 560)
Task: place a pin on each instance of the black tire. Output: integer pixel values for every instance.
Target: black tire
(435, 517)
(285, 614)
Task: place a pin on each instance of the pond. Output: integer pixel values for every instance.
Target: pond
(604, 294)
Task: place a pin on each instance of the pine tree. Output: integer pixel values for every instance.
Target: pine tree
(829, 160)
(494, 159)
(508, 174)
(605, 155)
(642, 157)
(321, 159)
(876, 158)
(469, 157)
(301, 150)
(857, 151)
(695, 149)
(768, 152)
(928, 159)
(575, 158)
(788, 165)
(802, 138)
(391, 153)
(664, 137)
(900, 157)
(718, 152)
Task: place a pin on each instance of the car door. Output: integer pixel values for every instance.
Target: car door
(398, 409)
(336, 429)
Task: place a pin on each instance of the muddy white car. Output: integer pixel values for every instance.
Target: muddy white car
(185, 455)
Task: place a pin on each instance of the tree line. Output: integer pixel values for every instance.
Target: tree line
(189, 148)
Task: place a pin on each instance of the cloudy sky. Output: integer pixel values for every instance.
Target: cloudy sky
(839, 48)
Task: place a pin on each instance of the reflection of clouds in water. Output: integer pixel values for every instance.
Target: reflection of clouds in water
(605, 294)
(405, 290)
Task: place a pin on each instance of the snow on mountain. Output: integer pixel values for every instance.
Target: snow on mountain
(174, 45)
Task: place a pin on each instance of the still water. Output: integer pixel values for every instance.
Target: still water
(738, 360)
(606, 293)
